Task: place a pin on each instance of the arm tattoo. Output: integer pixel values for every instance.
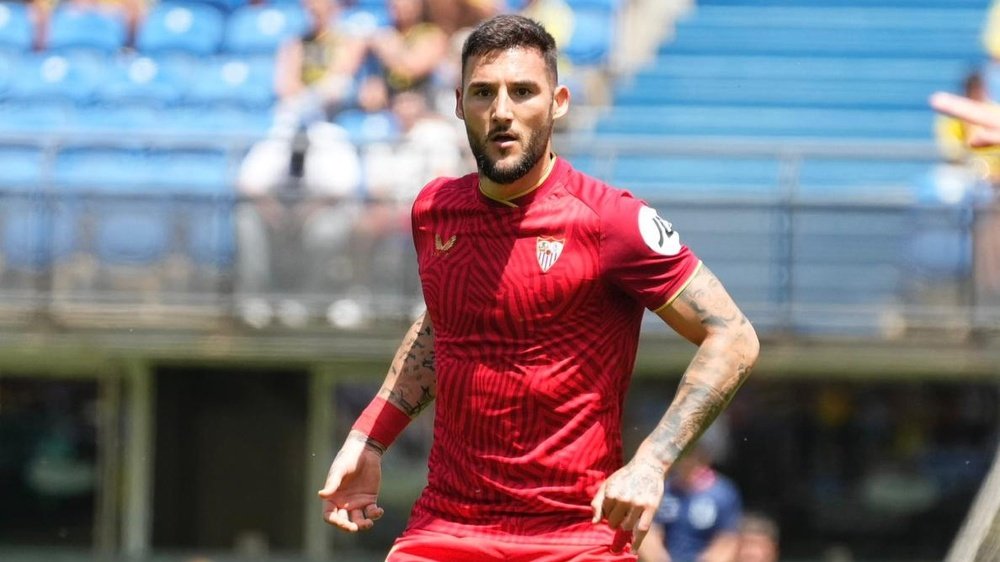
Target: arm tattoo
(723, 361)
(411, 383)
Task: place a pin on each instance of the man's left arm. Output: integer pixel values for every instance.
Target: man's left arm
(706, 315)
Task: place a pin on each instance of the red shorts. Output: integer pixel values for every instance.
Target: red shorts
(429, 546)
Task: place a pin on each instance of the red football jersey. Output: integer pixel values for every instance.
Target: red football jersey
(536, 306)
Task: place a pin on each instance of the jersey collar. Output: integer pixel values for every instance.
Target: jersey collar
(556, 170)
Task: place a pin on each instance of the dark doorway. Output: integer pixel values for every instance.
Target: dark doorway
(230, 459)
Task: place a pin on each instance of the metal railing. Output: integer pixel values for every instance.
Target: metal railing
(860, 258)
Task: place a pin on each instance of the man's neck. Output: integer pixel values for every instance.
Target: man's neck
(523, 185)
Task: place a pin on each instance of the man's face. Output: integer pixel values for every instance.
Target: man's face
(509, 104)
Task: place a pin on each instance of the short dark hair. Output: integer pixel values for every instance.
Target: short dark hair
(509, 31)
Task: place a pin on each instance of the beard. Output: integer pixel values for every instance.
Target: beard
(534, 150)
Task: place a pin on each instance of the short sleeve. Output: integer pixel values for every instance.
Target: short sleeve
(642, 253)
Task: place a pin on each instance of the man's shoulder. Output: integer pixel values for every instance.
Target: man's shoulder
(445, 188)
(602, 198)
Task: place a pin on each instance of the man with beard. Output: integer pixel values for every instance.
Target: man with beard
(536, 278)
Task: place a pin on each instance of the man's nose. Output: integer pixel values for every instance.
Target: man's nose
(502, 107)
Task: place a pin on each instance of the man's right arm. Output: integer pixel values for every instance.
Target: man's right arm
(411, 383)
(350, 495)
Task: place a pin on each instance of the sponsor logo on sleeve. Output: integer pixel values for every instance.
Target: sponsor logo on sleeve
(658, 233)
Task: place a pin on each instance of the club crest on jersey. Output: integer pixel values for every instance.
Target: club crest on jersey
(548, 250)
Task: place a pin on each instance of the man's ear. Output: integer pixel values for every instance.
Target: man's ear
(459, 112)
(560, 101)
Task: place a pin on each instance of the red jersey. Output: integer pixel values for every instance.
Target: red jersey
(536, 307)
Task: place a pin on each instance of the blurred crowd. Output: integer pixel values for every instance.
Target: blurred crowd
(969, 178)
(363, 117)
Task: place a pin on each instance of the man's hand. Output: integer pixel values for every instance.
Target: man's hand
(628, 499)
(351, 492)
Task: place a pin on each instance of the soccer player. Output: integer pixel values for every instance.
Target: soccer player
(535, 278)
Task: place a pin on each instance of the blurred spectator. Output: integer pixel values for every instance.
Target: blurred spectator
(454, 15)
(953, 136)
(969, 130)
(130, 12)
(370, 120)
(314, 73)
(991, 31)
(699, 516)
(427, 147)
(555, 15)
(293, 231)
(759, 539)
(408, 51)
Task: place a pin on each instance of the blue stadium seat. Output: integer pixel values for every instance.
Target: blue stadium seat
(784, 92)
(825, 42)
(46, 76)
(225, 6)
(974, 4)
(17, 33)
(98, 169)
(35, 118)
(244, 81)
(261, 29)
(90, 29)
(751, 121)
(875, 17)
(109, 189)
(20, 166)
(116, 118)
(688, 175)
(800, 67)
(216, 121)
(146, 79)
(859, 179)
(203, 180)
(190, 28)
(593, 36)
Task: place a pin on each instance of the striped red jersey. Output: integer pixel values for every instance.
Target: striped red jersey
(536, 307)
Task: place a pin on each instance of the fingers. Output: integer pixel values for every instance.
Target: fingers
(598, 505)
(340, 518)
(645, 522)
(352, 519)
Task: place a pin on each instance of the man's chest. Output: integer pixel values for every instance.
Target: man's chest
(508, 272)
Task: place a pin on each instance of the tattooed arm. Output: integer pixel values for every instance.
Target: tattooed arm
(704, 314)
(351, 491)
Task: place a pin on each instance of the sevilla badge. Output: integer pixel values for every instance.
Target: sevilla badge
(548, 251)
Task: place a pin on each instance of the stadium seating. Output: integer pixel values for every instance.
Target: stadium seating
(46, 76)
(774, 122)
(149, 80)
(243, 81)
(93, 29)
(260, 29)
(170, 27)
(17, 33)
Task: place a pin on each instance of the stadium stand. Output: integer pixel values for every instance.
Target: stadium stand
(17, 33)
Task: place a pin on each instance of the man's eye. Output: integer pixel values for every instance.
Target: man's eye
(523, 92)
